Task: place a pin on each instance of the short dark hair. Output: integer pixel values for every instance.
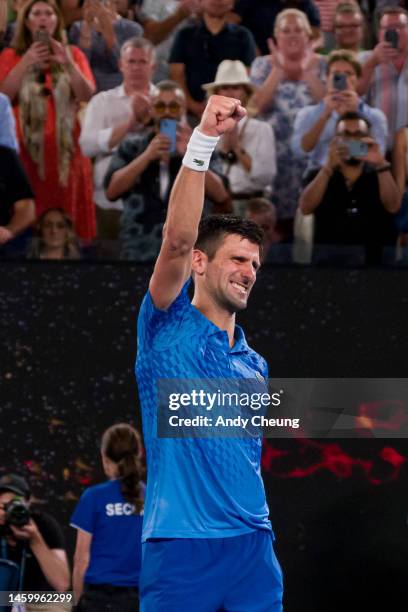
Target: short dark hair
(393, 10)
(343, 55)
(353, 116)
(214, 228)
(347, 8)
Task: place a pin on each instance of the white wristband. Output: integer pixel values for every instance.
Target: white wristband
(199, 151)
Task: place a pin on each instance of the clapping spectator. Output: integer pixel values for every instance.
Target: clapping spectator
(100, 35)
(110, 116)
(199, 49)
(353, 196)
(315, 125)
(55, 237)
(385, 71)
(248, 151)
(161, 19)
(46, 79)
(289, 78)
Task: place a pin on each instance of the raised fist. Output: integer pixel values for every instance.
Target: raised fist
(221, 115)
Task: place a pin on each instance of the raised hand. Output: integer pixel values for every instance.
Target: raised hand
(221, 115)
(37, 53)
(158, 147)
(384, 52)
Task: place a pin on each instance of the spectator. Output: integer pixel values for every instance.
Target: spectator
(161, 20)
(17, 208)
(100, 34)
(198, 50)
(108, 520)
(143, 170)
(385, 71)
(349, 27)
(45, 81)
(110, 116)
(353, 196)
(263, 212)
(259, 17)
(8, 136)
(55, 237)
(400, 172)
(288, 79)
(247, 152)
(315, 126)
(36, 546)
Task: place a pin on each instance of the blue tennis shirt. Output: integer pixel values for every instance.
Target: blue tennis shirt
(196, 488)
(116, 535)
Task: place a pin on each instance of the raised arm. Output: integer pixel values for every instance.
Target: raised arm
(173, 265)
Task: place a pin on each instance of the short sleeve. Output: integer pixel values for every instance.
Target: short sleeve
(84, 514)
(8, 59)
(128, 151)
(249, 46)
(50, 530)
(260, 69)
(180, 48)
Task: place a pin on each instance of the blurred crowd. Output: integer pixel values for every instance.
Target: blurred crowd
(99, 98)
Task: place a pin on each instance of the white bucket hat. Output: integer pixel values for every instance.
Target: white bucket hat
(230, 72)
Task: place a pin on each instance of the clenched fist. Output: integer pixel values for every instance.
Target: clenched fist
(221, 115)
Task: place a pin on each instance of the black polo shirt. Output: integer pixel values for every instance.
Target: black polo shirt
(354, 216)
(259, 16)
(201, 52)
(14, 184)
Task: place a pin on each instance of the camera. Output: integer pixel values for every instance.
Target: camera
(17, 513)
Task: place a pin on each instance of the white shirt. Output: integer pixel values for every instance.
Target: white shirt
(105, 111)
(258, 140)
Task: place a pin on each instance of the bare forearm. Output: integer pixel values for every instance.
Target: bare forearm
(389, 193)
(118, 134)
(185, 207)
(316, 86)
(310, 139)
(264, 96)
(11, 84)
(23, 217)
(157, 31)
(123, 180)
(53, 567)
(82, 88)
(78, 575)
(313, 194)
(367, 71)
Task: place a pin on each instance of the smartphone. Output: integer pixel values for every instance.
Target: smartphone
(42, 36)
(168, 127)
(392, 36)
(356, 148)
(340, 81)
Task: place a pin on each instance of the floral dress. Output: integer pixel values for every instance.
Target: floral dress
(289, 98)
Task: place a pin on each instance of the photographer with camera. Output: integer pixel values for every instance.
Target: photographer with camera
(32, 540)
(315, 125)
(353, 196)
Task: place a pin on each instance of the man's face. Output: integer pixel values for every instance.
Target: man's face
(217, 8)
(348, 30)
(168, 105)
(229, 277)
(136, 66)
(398, 22)
(5, 498)
(352, 129)
(343, 67)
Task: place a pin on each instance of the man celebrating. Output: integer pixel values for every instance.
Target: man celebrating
(207, 537)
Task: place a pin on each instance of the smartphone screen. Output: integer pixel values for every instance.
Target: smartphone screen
(392, 37)
(168, 127)
(340, 81)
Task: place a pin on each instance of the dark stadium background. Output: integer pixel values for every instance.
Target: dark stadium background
(339, 507)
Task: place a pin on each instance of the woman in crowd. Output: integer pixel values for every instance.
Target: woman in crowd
(55, 237)
(108, 519)
(45, 79)
(288, 79)
(100, 35)
(248, 152)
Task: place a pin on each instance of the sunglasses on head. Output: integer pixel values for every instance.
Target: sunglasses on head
(161, 107)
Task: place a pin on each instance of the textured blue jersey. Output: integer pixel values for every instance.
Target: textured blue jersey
(196, 488)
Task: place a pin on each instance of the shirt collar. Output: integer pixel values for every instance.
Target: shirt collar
(209, 328)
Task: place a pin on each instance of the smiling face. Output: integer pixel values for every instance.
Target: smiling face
(348, 30)
(229, 276)
(291, 36)
(42, 17)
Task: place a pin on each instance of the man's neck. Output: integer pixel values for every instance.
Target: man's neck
(131, 88)
(214, 24)
(219, 316)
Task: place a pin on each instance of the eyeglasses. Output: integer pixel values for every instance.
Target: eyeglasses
(345, 26)
(161, 107)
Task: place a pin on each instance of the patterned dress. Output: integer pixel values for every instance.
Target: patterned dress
(75, 197)
(289, 98)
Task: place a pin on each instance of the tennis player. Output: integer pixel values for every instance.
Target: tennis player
(207, 539)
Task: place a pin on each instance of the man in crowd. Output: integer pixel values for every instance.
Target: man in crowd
(263, 212)
(8, 136)
(199, 49)
(385, 71)
(110, 116)
(348, 27)
(353, 196)
(143, 170)
(17, 208)
(315, 125)
(37, 546)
